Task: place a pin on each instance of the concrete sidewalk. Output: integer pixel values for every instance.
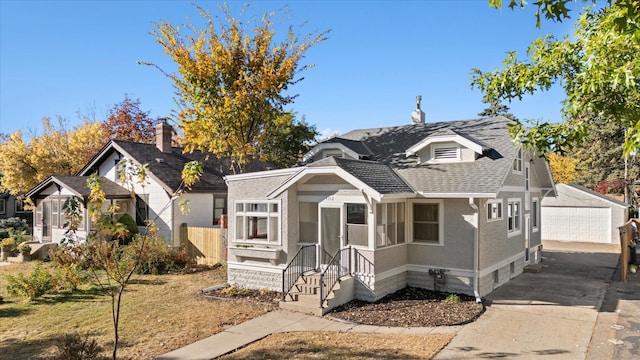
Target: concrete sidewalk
(281, 321)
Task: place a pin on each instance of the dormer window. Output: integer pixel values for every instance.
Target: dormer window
(517, 162)
(445, 153)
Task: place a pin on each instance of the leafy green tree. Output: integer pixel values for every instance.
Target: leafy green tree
(289, 141)
(233, 83)
(497, 108)
(599, 69)
(600, 155)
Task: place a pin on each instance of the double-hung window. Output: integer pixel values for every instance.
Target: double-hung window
(428, 222)
(142, 210)
(494, 210)
(514, 213)
(257, 221)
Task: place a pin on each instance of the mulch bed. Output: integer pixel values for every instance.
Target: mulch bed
(409, 307)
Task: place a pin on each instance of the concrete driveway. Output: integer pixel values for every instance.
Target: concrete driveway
(551, 314)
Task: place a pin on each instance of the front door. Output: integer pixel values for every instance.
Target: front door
(330, 232)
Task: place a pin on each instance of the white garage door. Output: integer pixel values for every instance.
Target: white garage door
(576, 224)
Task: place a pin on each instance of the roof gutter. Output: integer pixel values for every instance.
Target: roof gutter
(476, 251)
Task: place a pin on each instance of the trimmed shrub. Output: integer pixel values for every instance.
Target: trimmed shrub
(157, 257)
(131, 226)
(16, 224)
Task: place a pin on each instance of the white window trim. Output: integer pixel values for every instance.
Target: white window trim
(535, 204)
(518, 230)
(384, 207)
(434, 147)
(410, 217)
(496, 202)
(241, 239)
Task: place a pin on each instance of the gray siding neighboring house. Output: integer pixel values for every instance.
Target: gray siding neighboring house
(12, 206)
(582, 215)
(454, 198)
(155, 199)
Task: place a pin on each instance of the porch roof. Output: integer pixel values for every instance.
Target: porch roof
(375, 179)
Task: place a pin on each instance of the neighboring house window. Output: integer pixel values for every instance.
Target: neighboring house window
(39, 214)
(357, 233)
(3, 206)
(142, 211)
(445, 153)
(494, 210)
(428, 222)
(19, 207)
(390, 222)
(526, 178)
(517, 162)
(514, 214)
(55, 213)
(219, 208)
(535, 212)
(258, 221)
(122, 207)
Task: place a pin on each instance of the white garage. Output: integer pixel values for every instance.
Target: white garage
(581, 215)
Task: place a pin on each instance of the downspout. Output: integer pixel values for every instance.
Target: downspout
(476, 252)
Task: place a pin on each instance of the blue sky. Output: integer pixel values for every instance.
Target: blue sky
(69, 57)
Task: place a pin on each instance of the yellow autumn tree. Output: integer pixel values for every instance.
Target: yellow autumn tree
(233, 83)
(58, 151)
(563, 168)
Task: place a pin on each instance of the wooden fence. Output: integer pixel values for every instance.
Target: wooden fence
(207, 245)
(628, 235)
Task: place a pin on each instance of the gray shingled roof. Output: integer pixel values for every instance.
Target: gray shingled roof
(379, 177)
(167, 167)
(485, 175)
(78, 184)
(357, 146)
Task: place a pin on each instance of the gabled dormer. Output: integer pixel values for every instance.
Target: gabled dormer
(446, 146)
(339, 148)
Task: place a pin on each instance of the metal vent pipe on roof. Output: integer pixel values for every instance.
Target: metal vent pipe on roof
(417, 116)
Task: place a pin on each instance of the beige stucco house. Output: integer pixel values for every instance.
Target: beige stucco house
(453, 206)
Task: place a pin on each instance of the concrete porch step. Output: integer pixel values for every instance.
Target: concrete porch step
(533, 268)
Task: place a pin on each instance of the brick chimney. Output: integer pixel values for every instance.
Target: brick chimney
(163, 136)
